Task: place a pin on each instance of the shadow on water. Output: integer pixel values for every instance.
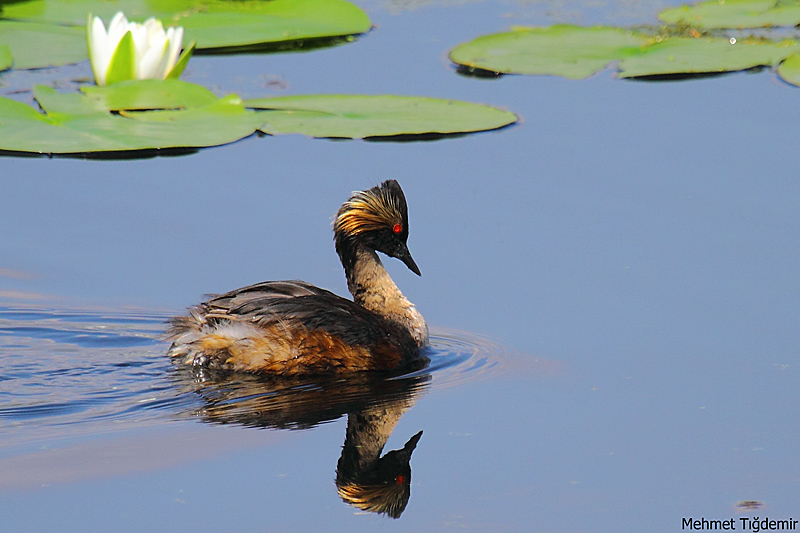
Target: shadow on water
(475, 72)
(282, 47)
(683, 76)
(118, 155)
(479, 73)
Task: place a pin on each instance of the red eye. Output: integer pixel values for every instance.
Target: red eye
(400, 479)
(397, 228)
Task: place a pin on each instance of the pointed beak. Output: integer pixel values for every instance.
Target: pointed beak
(404, 454)
(405, 256)
(412, 442)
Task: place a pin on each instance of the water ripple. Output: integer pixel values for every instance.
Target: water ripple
(72, 373)
(458, 357)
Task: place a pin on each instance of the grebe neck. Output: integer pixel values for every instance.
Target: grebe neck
(367, 433)
(373, 289)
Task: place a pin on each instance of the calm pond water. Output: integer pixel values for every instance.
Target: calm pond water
(612, 286)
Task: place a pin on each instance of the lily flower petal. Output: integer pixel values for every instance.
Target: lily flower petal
(174, 38)
(148, 65)
(149, 52)
(99, 55)
(118, 25)
(183, 60)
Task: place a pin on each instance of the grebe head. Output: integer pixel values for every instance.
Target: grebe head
(377, 219)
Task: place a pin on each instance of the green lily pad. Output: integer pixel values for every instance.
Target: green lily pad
(735, 14)
(789, 70)
(360, 116)
(237, 24)
(705, 55)
(148, 94)
(213, 24)
(35, 45)
(54, 102)
(6, 59)
(69, 128)
(221, 122)
(23, 129)
(127, 95)
(570, 51)
(73, 12)
(106, 119)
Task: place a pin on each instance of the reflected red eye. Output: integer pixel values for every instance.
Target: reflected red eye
(397, 228)
(399, 479)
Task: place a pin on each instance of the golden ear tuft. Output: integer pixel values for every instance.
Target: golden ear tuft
(373, 209)
(390, 499)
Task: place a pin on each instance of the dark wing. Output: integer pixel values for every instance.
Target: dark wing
(316, 309)
(240, 298)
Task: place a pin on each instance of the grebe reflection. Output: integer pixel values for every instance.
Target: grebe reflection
(364, 478)
(373, 403)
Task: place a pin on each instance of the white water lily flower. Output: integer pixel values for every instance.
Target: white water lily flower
(149, 53)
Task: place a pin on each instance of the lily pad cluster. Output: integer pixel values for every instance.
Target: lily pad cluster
(685, 48)
(156, 114)
(46, 33)
(146, 115)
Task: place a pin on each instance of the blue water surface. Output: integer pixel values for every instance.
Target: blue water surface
(618, 273)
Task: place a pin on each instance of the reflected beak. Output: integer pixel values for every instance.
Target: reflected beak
(412, 443)
(405, 256)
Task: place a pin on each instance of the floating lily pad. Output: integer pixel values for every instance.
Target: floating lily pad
(69, 128)
(106, 119)
(569, 51)
(224, 119)
(6, 60)
(149, 94)
(360, 116)
(705, 55)
(236, 24)
(35, 45)
(213, 24)
(54, 102)
(133, 95)
(736, 14)
(73, 12)
(789, 70)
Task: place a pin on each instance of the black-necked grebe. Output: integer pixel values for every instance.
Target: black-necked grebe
(291, 327)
